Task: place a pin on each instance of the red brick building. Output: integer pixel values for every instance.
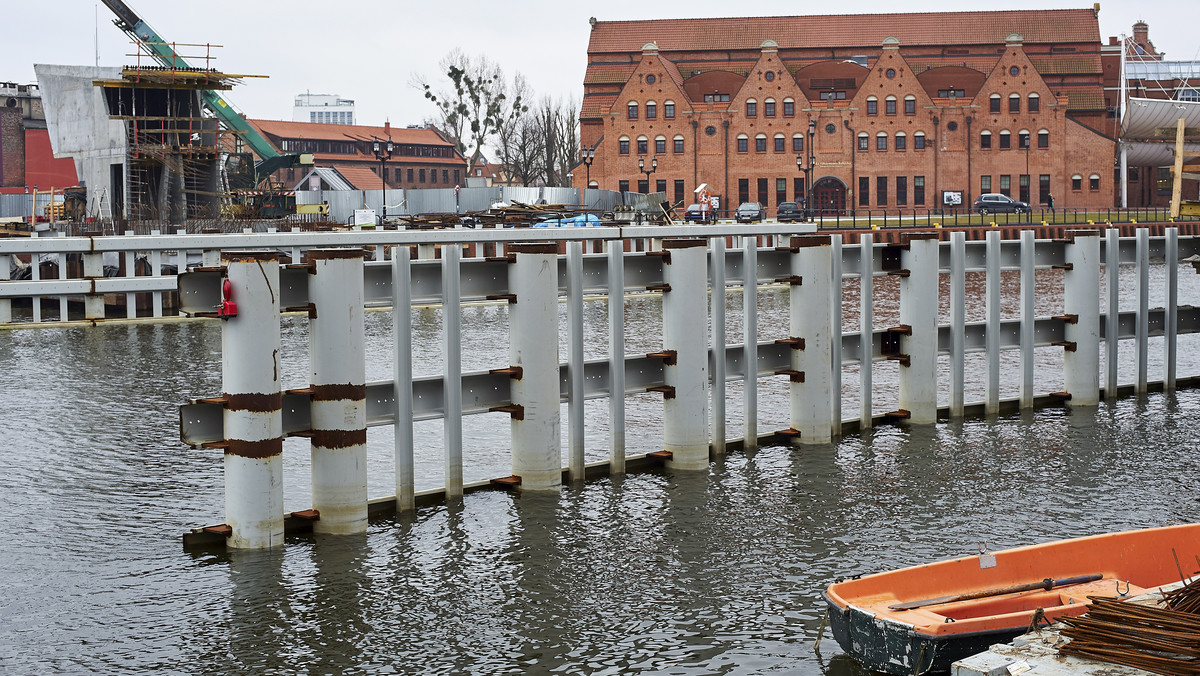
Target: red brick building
(421, 157)
(883, 111)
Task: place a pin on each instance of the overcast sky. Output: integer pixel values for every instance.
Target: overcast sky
(368, 50)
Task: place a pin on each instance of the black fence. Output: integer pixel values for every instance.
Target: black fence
(928, 218)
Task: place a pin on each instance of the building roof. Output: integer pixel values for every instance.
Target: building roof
(359, 177)
(841, 31)
(341, 132)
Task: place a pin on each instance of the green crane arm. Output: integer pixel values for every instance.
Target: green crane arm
(136, 27)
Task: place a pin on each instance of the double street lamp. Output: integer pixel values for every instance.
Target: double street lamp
(383, 153)
(589, 156)
(807, 168)
(653, 168)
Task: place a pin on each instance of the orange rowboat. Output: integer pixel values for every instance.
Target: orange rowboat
(922, 619)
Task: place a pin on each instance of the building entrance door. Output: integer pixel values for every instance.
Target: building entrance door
(829, 197)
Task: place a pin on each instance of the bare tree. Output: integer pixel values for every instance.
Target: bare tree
(476, 106)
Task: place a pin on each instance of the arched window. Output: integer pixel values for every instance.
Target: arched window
(1076, 182)
(660, 144)
(910, 105)
(1014, 103)
(881, 141)
(994, 103)
(985, 139)
(919, 140)
(872, 105)
(751, 108)
(651, 110)
(593, 184)
(780, 143)
(862, 140)
(1034, 103)
(890, 105)
(1023, 138)
(769, 108)
(642, 145)
(742, 143)
(789, 107)
(678, 142)
(760, 143)
(669, 109)
(1005, 140)
(1043, 138)
(623, 145)
(1094, 182)
(901, 141)
(797, 143)
(632, 110)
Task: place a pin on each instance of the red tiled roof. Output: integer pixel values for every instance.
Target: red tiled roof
(865, 30)
(360, 177)
(608, 73)
(340, 132)
(1072, 65)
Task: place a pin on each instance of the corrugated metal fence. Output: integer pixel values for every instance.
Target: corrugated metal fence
(342, 203)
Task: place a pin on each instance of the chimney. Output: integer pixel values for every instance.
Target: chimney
(1141, 32)
(387, 128)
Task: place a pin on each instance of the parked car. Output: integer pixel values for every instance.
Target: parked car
(995, 203)
(749, 212)
(699, 213)
(789, 211)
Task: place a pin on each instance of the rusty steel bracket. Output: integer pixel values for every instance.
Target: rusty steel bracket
(1068, 345)
(664, 255)
(669, 357)
(902, 358)
(509, 482)
(224, 530)
(659, 287)
(903, 330)
(792, 342)
(514, 372)
(661, 455)
(792, 374)
(1063, 266)
(668, 391)
(899, 273)
(899, 414)
(311, 268)
(789, 433)
(307, 515)
(310, 308)
(510, 297)
(791, 280)
(517, 411)
(1063, 396)
(1068, 319)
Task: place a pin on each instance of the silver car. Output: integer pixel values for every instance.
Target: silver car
(749, 212)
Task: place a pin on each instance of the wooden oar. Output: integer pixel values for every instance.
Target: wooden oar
(1047, 584)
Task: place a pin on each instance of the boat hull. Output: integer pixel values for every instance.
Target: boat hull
(895, 648)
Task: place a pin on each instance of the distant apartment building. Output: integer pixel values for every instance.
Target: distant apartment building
(421, 157)
(323, 109)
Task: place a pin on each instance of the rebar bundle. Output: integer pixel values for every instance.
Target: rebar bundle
(1156, 639)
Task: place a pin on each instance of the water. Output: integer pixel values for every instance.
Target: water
(716, 572)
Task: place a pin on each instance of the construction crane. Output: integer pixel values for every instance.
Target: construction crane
(270, 160)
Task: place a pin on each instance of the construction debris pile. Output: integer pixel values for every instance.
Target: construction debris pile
(1163, 640)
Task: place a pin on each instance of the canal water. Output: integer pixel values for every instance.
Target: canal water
(662, 573)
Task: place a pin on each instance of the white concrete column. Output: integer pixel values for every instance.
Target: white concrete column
(616, 356)
(992, 311)
(1141, 337)
(402, 377)
(1112, 267)
(533, 346)
(918, 312)
(836, 290)
(337, 356)
(958, 320)
(93, 268)
(1028, 316)
(5, 303)
(1081, 303)
(252, 416)
(811, 323)
(866, 324)
(750, 341)
(717, 310)
(685, 337)
(1171, 322)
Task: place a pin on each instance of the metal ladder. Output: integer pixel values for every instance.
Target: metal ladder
(104, 210)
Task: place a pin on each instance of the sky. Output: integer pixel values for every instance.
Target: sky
(370, 50)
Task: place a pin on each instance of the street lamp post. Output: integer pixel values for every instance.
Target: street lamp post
(653, 168)
(589, 156)
(383, 153)
(812, 161)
